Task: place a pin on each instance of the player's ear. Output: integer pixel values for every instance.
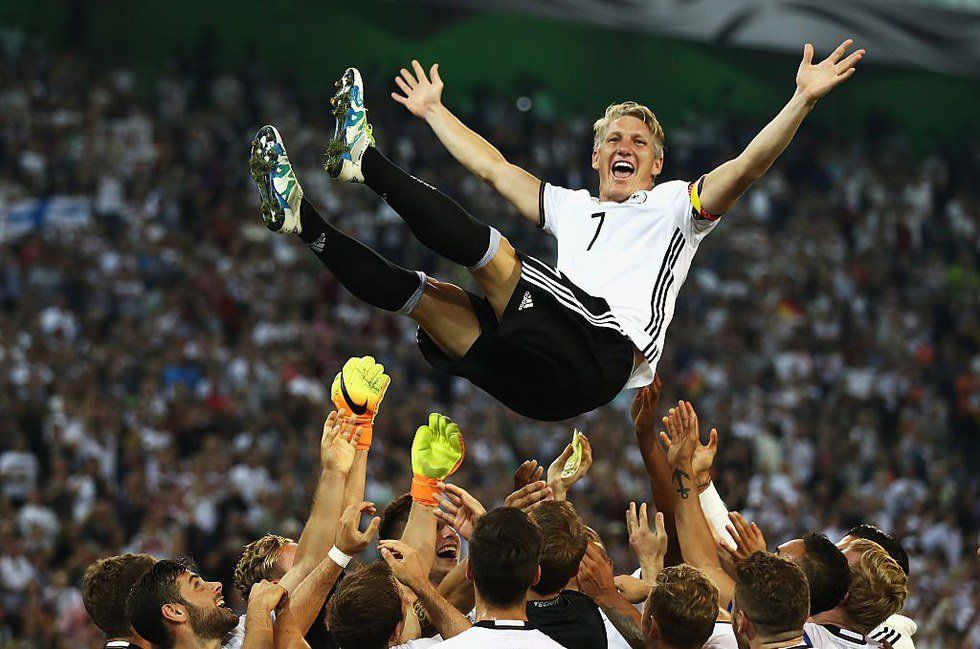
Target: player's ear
(173, 612)
(595, 159)
(658, 166)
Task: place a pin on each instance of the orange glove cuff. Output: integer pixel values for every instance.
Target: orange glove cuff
(424, 490)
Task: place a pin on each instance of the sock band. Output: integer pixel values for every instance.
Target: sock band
(491, 250)
(413, 302)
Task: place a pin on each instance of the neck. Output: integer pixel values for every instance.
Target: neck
(487, 611)
(788, 639)
(132, 639)
(534, 597)
(837, 617)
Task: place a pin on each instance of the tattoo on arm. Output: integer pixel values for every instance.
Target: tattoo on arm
(679, 478)
(626, 627)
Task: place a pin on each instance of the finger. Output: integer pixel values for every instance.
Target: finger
(713, 440)
(839, 52)
(400, 547)
(567, 453)
(388, 557)
(372, 528)
(738, 539)
(419, 71)
(355, 436)
(409, 79)
(365, 505)
(458, 493)
(434, 74)
(631, 522)
(332, 417)
(808, 53)
(665, 440)
(644, 521)
(586, 451)
(658, 520)
(404, 87)
(850, 61)
(444, 517)
(537, 474)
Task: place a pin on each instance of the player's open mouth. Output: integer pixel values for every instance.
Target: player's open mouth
(621, 169)
(447, 551)
(220, 601)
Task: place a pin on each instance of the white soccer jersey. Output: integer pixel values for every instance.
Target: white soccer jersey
(722, 637)
(500, 634)
(834, 637)
(634, 254)
(897, 630)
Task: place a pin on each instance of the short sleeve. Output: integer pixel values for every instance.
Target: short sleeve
(698, 221)
(552, 200)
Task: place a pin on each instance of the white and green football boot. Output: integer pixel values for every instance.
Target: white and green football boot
(279, 190)
(353, 134)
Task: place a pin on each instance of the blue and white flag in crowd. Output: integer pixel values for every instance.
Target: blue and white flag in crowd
(45, 215)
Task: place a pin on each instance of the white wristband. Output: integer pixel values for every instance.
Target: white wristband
(339, 557)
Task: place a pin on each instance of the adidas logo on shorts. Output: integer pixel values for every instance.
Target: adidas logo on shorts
(317, 246)
(526, 301)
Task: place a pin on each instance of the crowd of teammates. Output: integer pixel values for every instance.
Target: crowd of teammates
(158, 378)
(535, 574)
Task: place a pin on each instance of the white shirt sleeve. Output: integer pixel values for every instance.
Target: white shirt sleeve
(552, 201)
(696, 226)
(716, 512)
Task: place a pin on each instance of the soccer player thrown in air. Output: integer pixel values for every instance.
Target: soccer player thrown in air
(548, 341)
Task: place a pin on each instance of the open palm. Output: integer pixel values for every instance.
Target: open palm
(814, 81)
(420, 92)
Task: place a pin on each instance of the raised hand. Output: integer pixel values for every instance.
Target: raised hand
(567, 469)
(681, 438)
(437, 451)
(529, 495)
(704, 458)
(813, 81)
(338, 443)
(526, 473)
(643, 412)
(421, 93)
(405, 562)
(266, 596)
(748, 538)
(459, 509)
(350, 539)
(650, 545)
(595, 574)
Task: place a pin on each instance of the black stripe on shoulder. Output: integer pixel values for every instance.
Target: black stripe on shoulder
(541, 206)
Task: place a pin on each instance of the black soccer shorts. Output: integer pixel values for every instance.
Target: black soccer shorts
(556, 352)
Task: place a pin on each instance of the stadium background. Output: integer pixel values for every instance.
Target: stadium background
(163, 358)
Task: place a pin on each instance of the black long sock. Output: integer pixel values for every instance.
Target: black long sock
(362, 271)
(436, 220)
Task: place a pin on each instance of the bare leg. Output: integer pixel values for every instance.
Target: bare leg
(445, 313)
(499, 277)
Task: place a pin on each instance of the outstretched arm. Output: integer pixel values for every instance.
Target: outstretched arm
(726, 184)
(422, 95)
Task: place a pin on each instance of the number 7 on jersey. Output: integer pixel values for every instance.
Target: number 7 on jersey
(602, 219)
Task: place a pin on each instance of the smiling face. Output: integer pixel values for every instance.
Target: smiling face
(627, 158)
(207, 612)
(447, 552)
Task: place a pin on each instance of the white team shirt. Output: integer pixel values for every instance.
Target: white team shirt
(722, 637)
(834, 637)
(635, 255)
(898, 630)
(500, 634)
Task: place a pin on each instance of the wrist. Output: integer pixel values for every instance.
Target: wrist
(434, 112)
(424, 490)
(805, 100)
(341, 556)
(703, 481)
(558, 490)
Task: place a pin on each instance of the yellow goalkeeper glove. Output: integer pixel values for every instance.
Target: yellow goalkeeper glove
(357, 391)
(437, 452)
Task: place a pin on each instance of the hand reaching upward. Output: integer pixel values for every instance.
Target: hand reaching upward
(421, 93)
(813, 81)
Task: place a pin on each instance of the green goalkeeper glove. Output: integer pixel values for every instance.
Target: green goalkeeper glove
(437, 452)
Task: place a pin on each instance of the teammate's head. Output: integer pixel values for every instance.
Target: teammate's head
(105, 585)
(170, 602)
(772, 600)
(269, 557)
(882, 538)
(505, 552)
(878, 585)
(564, 540)
(825, 568)
(366, 610)
(680, 610)
(394, 518)
(628, 150)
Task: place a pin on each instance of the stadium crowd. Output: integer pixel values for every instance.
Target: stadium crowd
(165, 362)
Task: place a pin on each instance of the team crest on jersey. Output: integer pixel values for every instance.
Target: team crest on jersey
(638, 198)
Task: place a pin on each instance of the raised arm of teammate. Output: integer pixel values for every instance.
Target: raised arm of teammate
(693, 531)
(422, 96)
(337, 448)
(726, 184)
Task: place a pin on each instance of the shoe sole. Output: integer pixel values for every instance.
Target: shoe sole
(340, 103)
(261, 162)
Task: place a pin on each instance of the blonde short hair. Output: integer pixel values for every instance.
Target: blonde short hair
(684, 603)
(630, 109)
(258, 562)
(878, 586)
